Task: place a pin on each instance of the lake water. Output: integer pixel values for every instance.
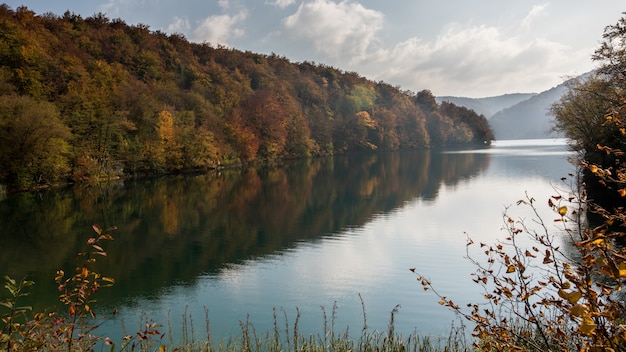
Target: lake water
(302, 236)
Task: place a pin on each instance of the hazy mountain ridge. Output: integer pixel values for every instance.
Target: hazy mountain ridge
(517, 116)
(487, 106)
(528, 119)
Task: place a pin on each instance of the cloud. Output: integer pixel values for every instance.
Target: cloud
(180, 25)
(343, 29)
(281, 3)
(476, 59)
(224, 4)
(120, 8)
(535, 12)
(220, 29)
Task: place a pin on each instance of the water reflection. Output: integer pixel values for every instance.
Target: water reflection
(303, 234)
(173, 229)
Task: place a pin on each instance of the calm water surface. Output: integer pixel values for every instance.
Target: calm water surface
(305, 235)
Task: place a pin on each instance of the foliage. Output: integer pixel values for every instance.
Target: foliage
(34, 142)
(10, 320)
(120, 100)
(552, 295)
(563, 291)
(584, 114)
(23, 330)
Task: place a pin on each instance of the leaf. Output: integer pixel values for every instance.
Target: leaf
(622, 269)
(510, 269)
(9, 279)
(562, 210)
(24, 309)
(571, 297)
(598, 241)
(587, 327)
(579, 310)
(97, 228)
(547, 260)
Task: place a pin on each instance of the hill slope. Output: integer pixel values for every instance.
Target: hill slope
(86, 98)
(528, 119)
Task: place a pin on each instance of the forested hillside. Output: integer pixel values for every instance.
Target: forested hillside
(87, 98)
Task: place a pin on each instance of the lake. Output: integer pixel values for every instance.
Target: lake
(298, 238)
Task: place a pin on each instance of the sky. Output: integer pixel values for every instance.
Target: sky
(468, 48)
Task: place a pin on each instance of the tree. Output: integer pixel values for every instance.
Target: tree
(586, 113)
(554, 296)
(167, 151)
(33, 142)
(580, 115)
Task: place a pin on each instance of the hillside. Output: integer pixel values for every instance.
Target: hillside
(528, 119)
(88, 98)
(490, 105)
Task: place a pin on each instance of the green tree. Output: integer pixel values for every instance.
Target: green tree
(33, 142)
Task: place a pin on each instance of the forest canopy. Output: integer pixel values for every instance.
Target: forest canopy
(90, 98)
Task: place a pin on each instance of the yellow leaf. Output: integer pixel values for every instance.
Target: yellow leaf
(622, 269)
(593, 168)
(510, 269)
(587, 327)
(562, 210)
(622, 192)
(579, 310)
(571, 297)
(162, 348)
(597, 241)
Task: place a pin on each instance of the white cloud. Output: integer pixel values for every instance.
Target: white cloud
(111, 8)
(281, 3)
(474, 61)
(179, 25)
(534, 13)
(343, 29)
(224, 4)
(220, 29)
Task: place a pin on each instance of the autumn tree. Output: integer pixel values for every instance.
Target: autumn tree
(585, 113)
(33, 142)
(111, 82)
(564, 291)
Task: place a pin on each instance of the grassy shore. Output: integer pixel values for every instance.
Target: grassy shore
(285, 337)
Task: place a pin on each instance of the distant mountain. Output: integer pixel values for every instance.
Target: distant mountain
(487, 106)
(528, 119)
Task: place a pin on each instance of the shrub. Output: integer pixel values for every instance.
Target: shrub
(554, 296)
